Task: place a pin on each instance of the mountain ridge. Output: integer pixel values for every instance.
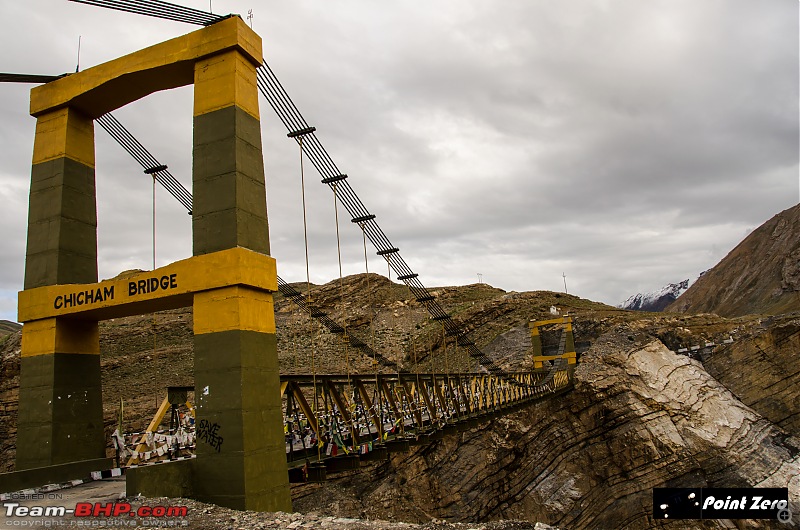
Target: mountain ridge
(655, 301)
(8, 327)
(761, 275)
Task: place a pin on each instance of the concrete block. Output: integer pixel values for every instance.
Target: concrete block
(40, 476)
(169, 479)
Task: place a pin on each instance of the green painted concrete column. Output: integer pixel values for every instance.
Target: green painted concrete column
(61, 413)
(62, 422)
(230, 205)
(241, 459)
(62, 212)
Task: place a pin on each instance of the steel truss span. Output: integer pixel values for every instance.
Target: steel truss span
(332, 422)
(361, 413)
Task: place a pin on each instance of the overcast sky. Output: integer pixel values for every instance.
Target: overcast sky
(625, 143)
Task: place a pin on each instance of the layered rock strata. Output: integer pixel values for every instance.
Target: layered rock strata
(763, 371)
(639, 418)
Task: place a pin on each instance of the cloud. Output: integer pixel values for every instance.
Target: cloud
(627, 144)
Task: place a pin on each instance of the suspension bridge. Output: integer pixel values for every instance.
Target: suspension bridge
(248, 421)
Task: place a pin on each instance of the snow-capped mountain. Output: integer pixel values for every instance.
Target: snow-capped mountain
(656, 300)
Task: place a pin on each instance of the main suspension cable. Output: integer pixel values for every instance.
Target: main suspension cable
(150, 164)
(153, 167)
(158, 9)
(288, 113)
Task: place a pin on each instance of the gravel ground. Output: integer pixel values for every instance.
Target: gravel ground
(209, 516)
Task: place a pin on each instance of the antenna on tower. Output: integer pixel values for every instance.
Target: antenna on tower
(250, 17)
(78, 67)
(565, 282)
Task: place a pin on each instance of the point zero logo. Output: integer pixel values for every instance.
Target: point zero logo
(721, 503)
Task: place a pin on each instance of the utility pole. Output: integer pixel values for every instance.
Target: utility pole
(480, 278)
(78, 67)
(565, 282)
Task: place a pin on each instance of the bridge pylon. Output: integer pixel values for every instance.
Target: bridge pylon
(228, 281)
(566, 347)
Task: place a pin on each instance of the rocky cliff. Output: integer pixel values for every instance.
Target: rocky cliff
(760, 276)
(640, 417)
(762, 368)
(9, 399)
